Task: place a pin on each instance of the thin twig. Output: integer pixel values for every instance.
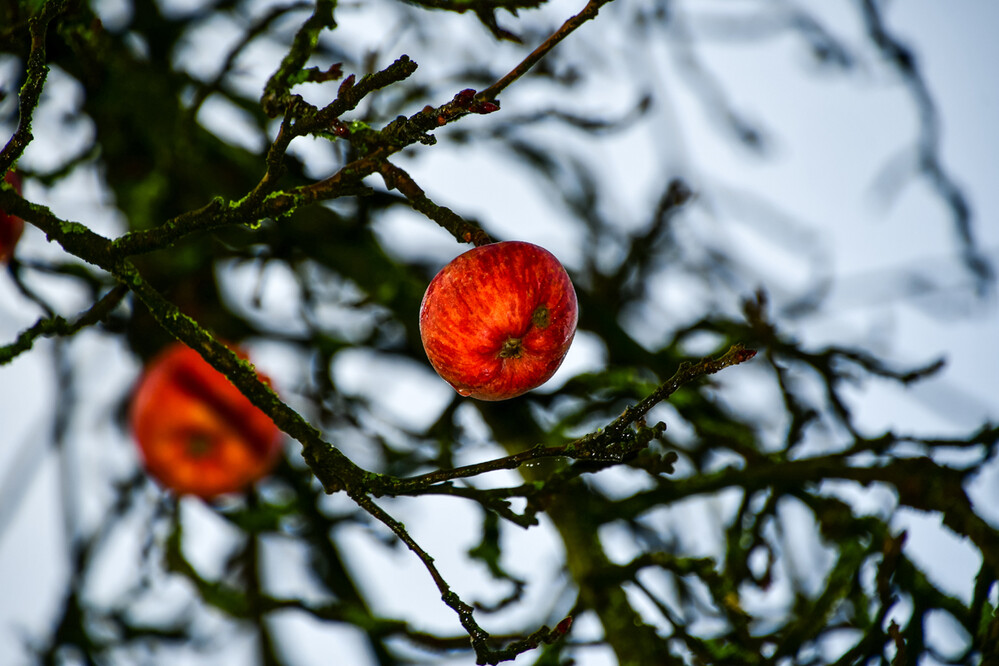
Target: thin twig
(507, 462)
(258, 28)
(52, 326)
(589, 12)
(276, 92)
(686, 373)
(594, 446)
(929, 162)
(451, 598)
(463, 230)
(479, 637)
(36, 72)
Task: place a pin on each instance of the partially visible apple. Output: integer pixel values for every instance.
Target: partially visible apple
(196, 432)
(11, 226)
(497, 321)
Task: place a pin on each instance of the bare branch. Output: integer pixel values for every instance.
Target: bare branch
(31, 91)
(589, 12)
(57, 326)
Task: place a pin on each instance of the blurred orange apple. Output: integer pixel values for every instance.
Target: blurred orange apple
(196, 432)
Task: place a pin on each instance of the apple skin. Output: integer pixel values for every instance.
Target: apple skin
(497, 321)
(11, 226)
(196, 433)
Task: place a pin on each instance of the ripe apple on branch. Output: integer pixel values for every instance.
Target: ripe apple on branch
(498, 320)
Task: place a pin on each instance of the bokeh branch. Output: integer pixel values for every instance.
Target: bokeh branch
(928, 158)
(57, 326)
(36, 71)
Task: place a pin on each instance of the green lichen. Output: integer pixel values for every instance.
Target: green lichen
(67, 228)
(301, 76)
(280, 204)
(248, 366)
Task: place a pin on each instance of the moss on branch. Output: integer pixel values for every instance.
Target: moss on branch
(36, 73)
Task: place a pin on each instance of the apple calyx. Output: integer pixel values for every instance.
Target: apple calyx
(199, 446)
(512, 347)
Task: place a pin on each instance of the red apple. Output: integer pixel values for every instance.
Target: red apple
(11, 226)
(497, 321)
(196, 432)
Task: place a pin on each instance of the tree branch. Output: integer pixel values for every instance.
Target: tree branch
(36, 72)
(52, 326)
(612, 444)
(479, 637)
(589, 12)
(463, 230)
